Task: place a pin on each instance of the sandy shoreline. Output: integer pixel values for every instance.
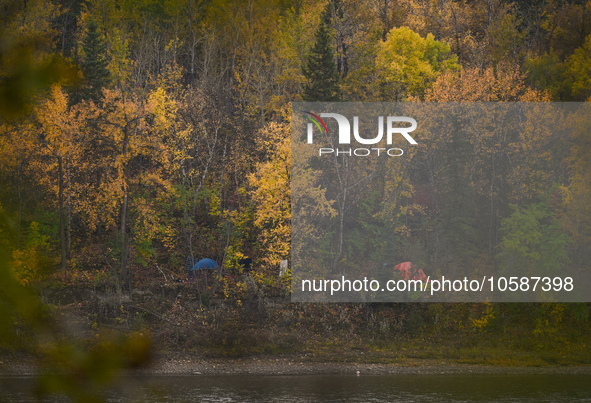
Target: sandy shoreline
(258, 366)
(286, 366)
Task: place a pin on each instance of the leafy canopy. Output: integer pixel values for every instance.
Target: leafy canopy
(408, 64)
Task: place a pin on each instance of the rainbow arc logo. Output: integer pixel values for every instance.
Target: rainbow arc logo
(317, 121)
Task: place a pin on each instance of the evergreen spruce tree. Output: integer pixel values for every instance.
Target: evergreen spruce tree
(320, 69)
(332, 11)
(94, 63)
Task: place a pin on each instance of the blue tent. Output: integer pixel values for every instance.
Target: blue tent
(205, 264)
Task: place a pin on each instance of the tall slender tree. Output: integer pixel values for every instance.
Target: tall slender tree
(320, 69)
(94, 63)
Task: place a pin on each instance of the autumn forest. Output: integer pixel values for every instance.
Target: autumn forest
(134, 134)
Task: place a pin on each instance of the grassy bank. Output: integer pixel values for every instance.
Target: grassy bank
(264, 323)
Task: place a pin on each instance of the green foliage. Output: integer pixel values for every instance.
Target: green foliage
(566, 80)
(533, 239)
(121, 65)
(547, 72)
(507, 41)
(145, 250)
(408, 64)
(31, 261)
(579, 69)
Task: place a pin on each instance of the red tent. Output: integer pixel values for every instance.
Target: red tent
(410, 272)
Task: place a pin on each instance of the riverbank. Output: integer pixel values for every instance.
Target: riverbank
(291, 366)
(176, 335)
(189, 365)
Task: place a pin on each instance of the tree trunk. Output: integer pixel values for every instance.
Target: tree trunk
(124, 272)
(61, 213)
(125, 277)
(69, 212)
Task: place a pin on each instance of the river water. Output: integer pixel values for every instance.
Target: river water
(335, 388)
